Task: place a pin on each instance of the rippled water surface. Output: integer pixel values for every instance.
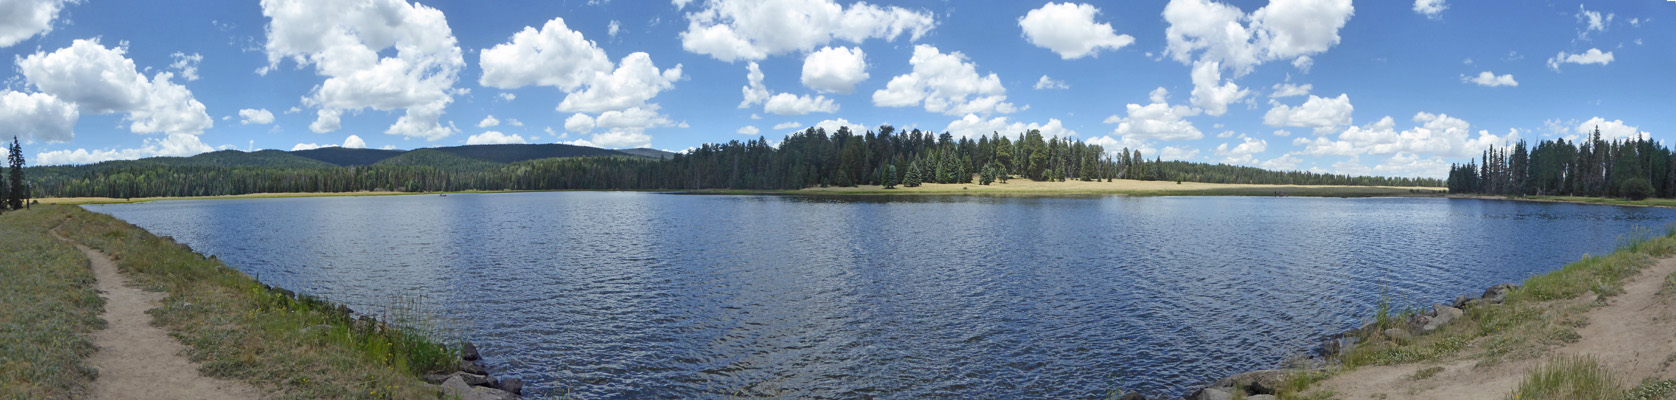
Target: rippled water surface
(640, 295)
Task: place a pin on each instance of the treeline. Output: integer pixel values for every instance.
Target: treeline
(804, 159)
(1630, 168)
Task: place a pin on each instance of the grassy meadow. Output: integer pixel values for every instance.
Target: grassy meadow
(232, 325)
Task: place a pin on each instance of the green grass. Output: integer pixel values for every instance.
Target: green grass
(1648, 202)
(236, 328)
(51, 307)
(1569, 378)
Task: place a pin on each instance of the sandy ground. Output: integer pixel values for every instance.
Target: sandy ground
(137, 360)
(1631, 335)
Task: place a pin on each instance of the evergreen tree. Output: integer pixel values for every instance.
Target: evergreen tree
(888, 177)
(913, 178)
(16, 193)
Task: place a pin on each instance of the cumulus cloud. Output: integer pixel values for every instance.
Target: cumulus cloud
(343, 40)
(1593, 56)
(354, 142)
(615, 140)
(1286, 162)
(488, 122)
(748, 130)
(1435, 134)
(492, 137)
(1430, 8)
(553, 56)
(832, 125)
(351, 142)
(1212, 93)
(632, 84)
(23, 19)
(1069, 30)
(186, 64)
(259, 116)
(1156, 121)
(326, 120)
(622, 129)
(835, 69)
(1212, 36)
(787, 125)
(37, 116)
(1490, 79)
(1243, 153)
(754, 91)
(172, 145)
(1288, 90)
(789, 104)
(101, 80)
(1592, 21)
(1046, 83)
(973, 126)
(1320, 113)
(732, 30)
(1610, 130)
(946, 84)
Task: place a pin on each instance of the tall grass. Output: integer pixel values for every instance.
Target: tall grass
(237, 328)
(1569, 378)
(49, 307)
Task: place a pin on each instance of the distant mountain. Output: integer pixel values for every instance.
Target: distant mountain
(348, 157)
(233, 158)
(649, 153)
(436, 157)
(511, 153)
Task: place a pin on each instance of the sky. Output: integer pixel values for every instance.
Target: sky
(1390, 88)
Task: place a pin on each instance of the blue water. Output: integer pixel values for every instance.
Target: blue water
(641, 295)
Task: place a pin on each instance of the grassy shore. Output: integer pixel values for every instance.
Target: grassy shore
(1125, 187)
(1544, 313)
(1649, 202)
(232, 325)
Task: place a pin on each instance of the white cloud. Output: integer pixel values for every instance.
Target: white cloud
(354, 142)
(1174, 153)
(1408, 164)
(1069, 30)
(37, 116)
(1286, 162)
(620, 139)
(308, 146)
(1490, 79)
(835, 69)
(326, 120)
(748, 130)
(632, 84)
(787, 125)
(1221, 33)
(186, 64)
(508, 96)
(1212, 93)
(1430, 8)
(514, 122)
(1320, 113)
(613, 28)
(1288, 90)
(488, 121)
(754, 91)
(23, 19)
(553, 56)
(1610, 130)
(832, 125)
(789, 104)
(1592, 21)
(973, 126)
(102, 80)
(947, 84)
(1593, 56)
(343, 40)
(1437, 134)
(732, 30)
(259, 116)
(492, 137)
(1046, 83)
(1156, 121)
(173, 145)
(1242, 153)
(633, 119)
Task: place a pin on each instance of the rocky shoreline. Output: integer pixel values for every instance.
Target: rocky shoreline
(1323, 359)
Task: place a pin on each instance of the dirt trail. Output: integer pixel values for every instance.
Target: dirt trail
(1631, 335)
(139, 361)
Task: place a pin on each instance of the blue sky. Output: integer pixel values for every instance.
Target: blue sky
(1382, 88)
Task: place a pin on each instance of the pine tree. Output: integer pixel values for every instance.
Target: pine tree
(913, 179)
(16, 194)
(888, 177)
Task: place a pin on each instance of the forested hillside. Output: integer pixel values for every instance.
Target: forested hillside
(1631, 168)
(813, 157)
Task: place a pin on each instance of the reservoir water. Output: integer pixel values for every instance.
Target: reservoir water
(605, 295)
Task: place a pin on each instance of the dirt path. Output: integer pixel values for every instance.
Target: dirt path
(139, 361)
(1631, 335)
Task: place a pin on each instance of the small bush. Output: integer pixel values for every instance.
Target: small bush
(1568, 378)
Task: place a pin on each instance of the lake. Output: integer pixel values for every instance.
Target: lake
(621, 295)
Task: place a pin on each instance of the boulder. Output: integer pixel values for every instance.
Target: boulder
(1260, 397)
(1132, 396)
(1495, 294)
(457, 387)
(1255, 382)
(1460, 301)
(1444, 314)
(512, 385)
(469, 379)
(472, 367)
(468, 352)
(435, 379)
(1212, 394)
(1398, 335)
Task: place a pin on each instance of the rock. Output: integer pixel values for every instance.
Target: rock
(1444, 315)
(471, 367)
(456, 386)
(1213, 394)
(1460, 301)
(468, 352)
(1495, 294)
(1398, 335)
(435, 379)
(1255, 382)
(1330, 347)
(1132, 396)
(1260, 397)
(286, 293)
(516, 386)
